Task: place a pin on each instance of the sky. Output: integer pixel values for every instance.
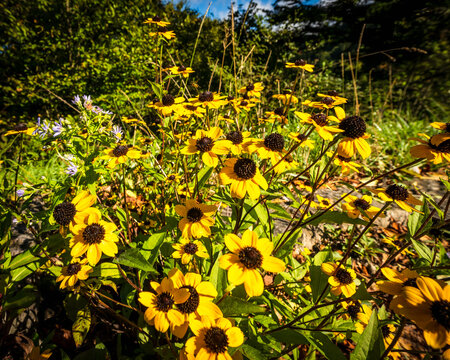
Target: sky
(219, 8)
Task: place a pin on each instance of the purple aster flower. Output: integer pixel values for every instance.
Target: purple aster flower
(117, 132)
(58, 128)
(72, 169)
(77, 100)
(20, 192)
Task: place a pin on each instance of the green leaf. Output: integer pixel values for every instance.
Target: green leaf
(151, 246)
(218, 278)
(22, 272)
(203, 176)
(106, 270)
(289, 336)
(133, 258)
(157, 89)
(252, 353)
(361, 293)
(370, 344)
(423, 250)
(233, 306)
(325, 346)
(22, 259)
(81, 326)
(336, 217)
(74, 303)
(24, 298)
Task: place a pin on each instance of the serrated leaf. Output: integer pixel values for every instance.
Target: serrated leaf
(133, 258)
(233, 306)
(81, 326)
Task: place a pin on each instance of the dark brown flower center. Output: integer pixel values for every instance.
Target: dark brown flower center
(361, 204)
(250, 87)
(447, 127)
(191, 304)
(301, 137)
(156, 18)
(274, 142)
(235, 137)
(327, 100)
(444, 147)
(73, 269)
(320, 119)
(230, 97)
(279, 111)
(204, 144)
(206, 96)
(190, 248)
(216, 340)
(93, 234)
(300, 62)
(181, 68)
(243, 103)
(440, 311)
(354, 127)
(172, 177)
(250, 257)
(168, 100)
(164, 301)
(64, 213)
(194, 214)
(163, 29)
(343, 158)
(344, 276)
(120, 150)
(385, 331)
(245, 168)
(191, 107)
(397, 192)
(353, 311)
(410, 282)
(20, 127)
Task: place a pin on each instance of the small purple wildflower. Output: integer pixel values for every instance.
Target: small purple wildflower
(20, 192)
(117, 132)
(77, 100)
(58, 128)
(72, 169)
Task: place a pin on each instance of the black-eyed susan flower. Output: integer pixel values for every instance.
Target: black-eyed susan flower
(70, 213)
(163, 31)
(342, 280)
(323, 202)
(157, 21)
(161, 311)
(212, 339)
(352, 308)
(196, 221)
(21, 129)
(286, 164)
(186, 249)
(400, 195)
(119, 155)
(300, 64)
(302, 139)
(428, 306)
(436, 149)
(346, 164)
(252, 89)
(94, 237)
(239, 141)
(354, 132)
(279, 115)
(247, 256)
(208, 144)
(244, 177)
(334, 95)
(242, 104)
(270, 148)
(321, 124)
(441, 126)
(200, 301)
(189, 109)
(168, 104)
(210, 100)
(286, 98)
(355, 207)
(180, 70)
(77, 270)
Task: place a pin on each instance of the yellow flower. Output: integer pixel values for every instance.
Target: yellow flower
(286, 98)
(354, 139)
(196, 221)
(346, 164)
(94, 237)
(132, 121)
(436, 149)
(324, 203)
(200, 301)
(243, 104)
(180, 70)
(353, 307)
(156, 20)
(288, 163)
(119, 155)
(279, 114)
(161, 311)
(167, 105)
(163, 31)
(342, 280)
(334, 95)
(186, 249)
(321, 124)
(400, 195)
(207, 143)
(252, 90)
(355, 207)
(190, 109)
(441, 126)
(270, 148)
(428, 306)
(76, 270)
(75, 211)
(21, 129)
(302, 139)
(248, 255)
(209, 99)
(239, 141)
(244, 177)
(212, 339)
(300, 64)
